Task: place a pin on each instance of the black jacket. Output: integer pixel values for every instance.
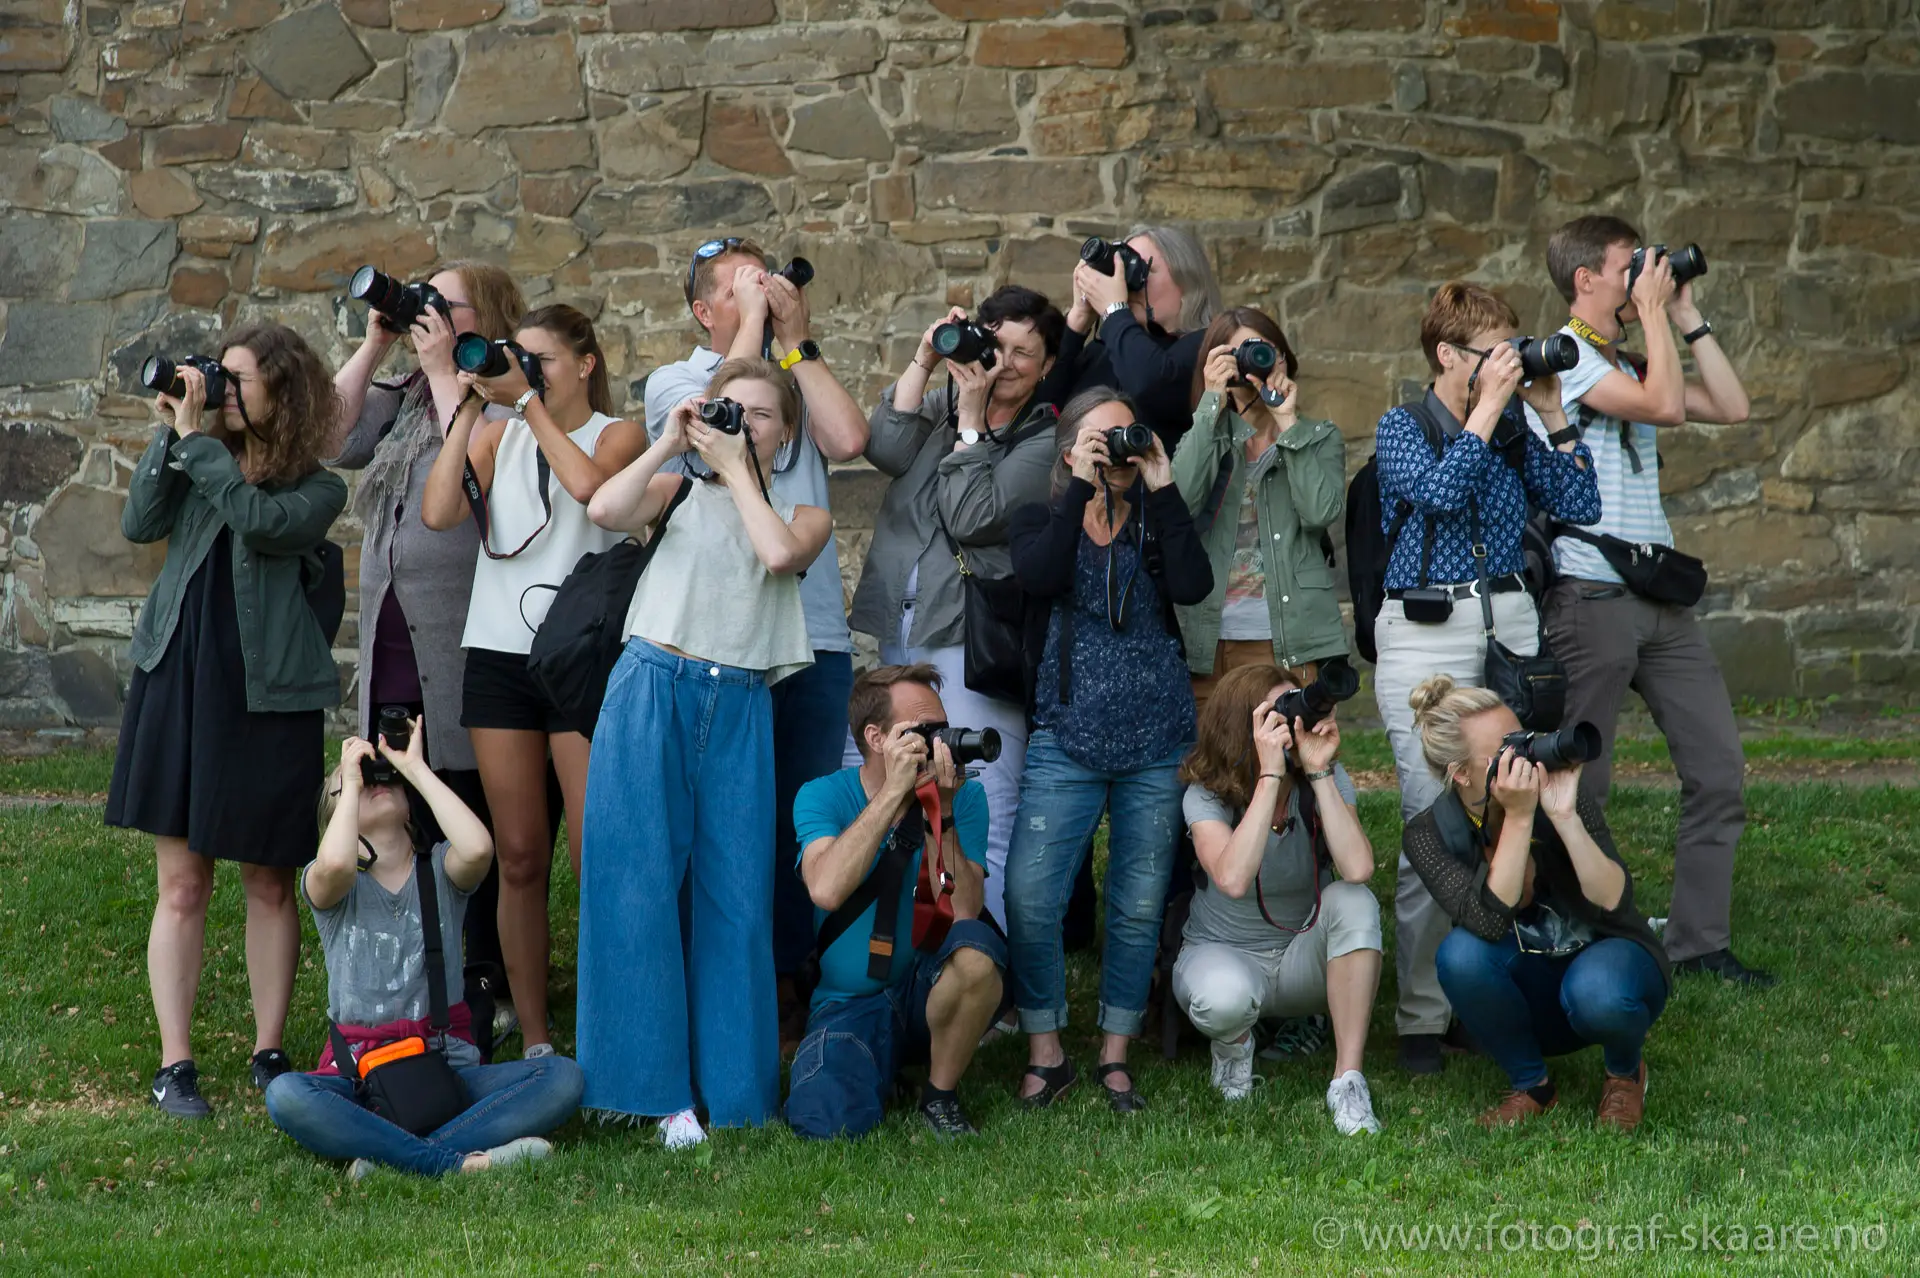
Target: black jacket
(1445, 850)
(1151, 365)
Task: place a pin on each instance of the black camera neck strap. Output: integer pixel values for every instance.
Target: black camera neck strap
(1308, 819)
(439, 1013)
(477, 502)
(880, 889)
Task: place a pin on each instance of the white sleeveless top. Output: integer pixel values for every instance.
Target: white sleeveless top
(507, 607)
(706, 592)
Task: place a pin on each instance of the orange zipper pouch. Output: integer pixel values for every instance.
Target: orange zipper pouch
(389, 1052)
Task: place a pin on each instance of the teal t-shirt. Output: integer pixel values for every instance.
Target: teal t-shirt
(823, 810)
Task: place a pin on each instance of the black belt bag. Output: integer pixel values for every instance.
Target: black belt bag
(1432, 605)
(1648, 569)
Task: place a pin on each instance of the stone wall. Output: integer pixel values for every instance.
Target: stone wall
(172, 165)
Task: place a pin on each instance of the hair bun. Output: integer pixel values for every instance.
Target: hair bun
(1428, 694)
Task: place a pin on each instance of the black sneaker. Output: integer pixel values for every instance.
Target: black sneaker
(1723, 964)
(176, 1090)
(1420, 1054)
(945, 1117)
(269, 1065)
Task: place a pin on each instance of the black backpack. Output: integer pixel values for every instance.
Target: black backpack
(1369, 549)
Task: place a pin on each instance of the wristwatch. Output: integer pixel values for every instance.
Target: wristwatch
(969, 437)
(1117, 306)
(520, 405)
(808, 349)
(1321, 775)
(1705, 330)
(1568, 434)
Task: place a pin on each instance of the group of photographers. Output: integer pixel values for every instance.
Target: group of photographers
(1104, 557)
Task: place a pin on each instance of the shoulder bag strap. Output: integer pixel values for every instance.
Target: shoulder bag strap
(343, 1059)
(1480, 569)
(888, 878)
(439, 1016)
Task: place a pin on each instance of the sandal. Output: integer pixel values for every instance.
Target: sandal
(1054, 1081)
(1128, 1101)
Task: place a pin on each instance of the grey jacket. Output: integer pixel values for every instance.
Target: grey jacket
(430, 572)
(976, 490)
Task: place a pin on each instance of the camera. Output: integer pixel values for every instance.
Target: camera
(1255, 358)
(490, 357)
(1124, 443)
(398, 305)
(1689, 263)
(1546, 356)
(965, 342)
(1337, 682)
(162, 374)
(1556, 751)
(724, 415)
(798, 272)
(1099, 254)
(397, 727)
(966, 745)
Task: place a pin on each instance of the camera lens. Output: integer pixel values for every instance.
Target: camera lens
(965, 342)
(1256, 358)
(396, 726)
(1557, 751)
(370, 286)
(723, 415)
(1545, 356)
(1098, 254)
(969, 745)
(1124, 443)
(1689, 263)
(159, 374)
(1337, 682)
(473, 353)
(798, 272)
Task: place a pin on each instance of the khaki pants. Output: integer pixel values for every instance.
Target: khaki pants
(1409, 653)
(1611, 639)
(1230, 655)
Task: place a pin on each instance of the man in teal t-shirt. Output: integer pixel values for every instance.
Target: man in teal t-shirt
(931, 1006)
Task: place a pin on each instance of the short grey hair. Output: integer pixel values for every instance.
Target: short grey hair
(1191, 272)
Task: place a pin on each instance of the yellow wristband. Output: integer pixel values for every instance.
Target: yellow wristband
(791, 358)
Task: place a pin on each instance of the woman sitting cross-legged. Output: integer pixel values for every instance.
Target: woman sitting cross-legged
(1285, 924)
(1548, 953)
(370, 924)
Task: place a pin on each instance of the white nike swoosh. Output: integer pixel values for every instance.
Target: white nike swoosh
(159, 1095)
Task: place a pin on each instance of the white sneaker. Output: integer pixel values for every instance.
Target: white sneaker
(1352, 1104)
(1233, 1069)
(682, 1130)
(537, 1051)
(526, 1149)
(361, 1168)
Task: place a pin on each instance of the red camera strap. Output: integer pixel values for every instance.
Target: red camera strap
(933, 888)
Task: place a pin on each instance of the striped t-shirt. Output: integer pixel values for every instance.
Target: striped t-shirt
(1629, 498)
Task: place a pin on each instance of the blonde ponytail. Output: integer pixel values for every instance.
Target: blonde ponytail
(1440, 707)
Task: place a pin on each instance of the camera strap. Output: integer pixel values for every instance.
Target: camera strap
(477, 502)
(439, 1014)
(1309, 821)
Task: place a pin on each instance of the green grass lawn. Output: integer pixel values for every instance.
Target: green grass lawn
(1796, 1106)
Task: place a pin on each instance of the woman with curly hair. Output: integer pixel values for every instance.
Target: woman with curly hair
(220, 750)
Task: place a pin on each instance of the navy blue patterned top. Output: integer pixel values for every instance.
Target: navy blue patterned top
(1563, 484)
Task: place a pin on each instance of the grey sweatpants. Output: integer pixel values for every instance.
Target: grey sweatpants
(1610, 640)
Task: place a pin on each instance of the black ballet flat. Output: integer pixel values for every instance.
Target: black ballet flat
(1054, 1082)
(1129, 1101)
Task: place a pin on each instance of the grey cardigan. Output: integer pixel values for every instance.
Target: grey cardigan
(976, 490)
(430, 572)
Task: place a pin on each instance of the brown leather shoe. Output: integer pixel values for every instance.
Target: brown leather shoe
(1623, 1101)
(1514, 1107)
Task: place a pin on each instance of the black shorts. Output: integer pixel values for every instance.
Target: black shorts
(497, 692)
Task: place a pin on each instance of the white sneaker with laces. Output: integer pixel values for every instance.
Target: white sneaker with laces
(682, 1130)
(1233, 1068)
(1352, 1104)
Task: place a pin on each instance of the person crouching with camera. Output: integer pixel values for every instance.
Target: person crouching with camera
(1548, 953)
(222, 736)
(390, 962)
(1457, 470)
(1284, 924)
(679, 1009)
(888, 996)
(1110, 556)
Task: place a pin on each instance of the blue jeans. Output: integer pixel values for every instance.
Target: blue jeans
(510, 1100)
(677, 1004)
(1522, 1008)
(1060, 807)
(809, 734)
(844, 1070)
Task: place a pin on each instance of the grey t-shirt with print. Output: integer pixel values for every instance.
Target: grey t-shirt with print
(376, 950)
(1287, 878)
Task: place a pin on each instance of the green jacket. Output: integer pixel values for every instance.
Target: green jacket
(1301, 487)
(184, 491)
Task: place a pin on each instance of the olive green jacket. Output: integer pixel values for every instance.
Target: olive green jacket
(1301, 489)
(185, 491)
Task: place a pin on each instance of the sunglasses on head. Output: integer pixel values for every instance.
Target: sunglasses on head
(706, 253)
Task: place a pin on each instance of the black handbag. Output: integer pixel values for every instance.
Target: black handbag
(579, 641)
(993, 619)
(1534, 688)
(1650, 570)
(417, 1091)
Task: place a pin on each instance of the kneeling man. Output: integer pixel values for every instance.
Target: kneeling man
(881, 1003)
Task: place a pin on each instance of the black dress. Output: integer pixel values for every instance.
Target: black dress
(193, 762)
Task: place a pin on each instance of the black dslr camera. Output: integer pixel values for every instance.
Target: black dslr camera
(397, 304)
(1099, 254)
(798, 272)
(1337, 682)
(724, 416)
(397, 728)
(966, 745)
(1124, 443)
(490, 357)
(1556, 751)
(1255, 358)
(1546, 356)
(965, 342)
(162, 374)
(1689, 263)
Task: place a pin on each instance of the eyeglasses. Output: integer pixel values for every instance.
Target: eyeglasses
(706, 253)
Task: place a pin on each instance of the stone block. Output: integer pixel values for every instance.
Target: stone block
(1465, 193)
(1851, 376)
(34, 460)
(1852, 106)
(368, 13)
(280, 146)
(547, 150)
(431, 64)
(1887, 543)
(1245, 88)
(87, 686)
(200, 288)
(986, 10)
(1060, 44)
(1749, 542)
(1379, 321)
(542, 245)
(123, 257)
(739, 136)
(36, 253)
(656, 143)
(1803, 15)
(891, 198)
(165, 193)
(1535, 20)
(1361, 15)
(1881, 231)
(1755, 655)
(1852, 630)
(845, 127)
(1826, 307)
(961, 109)
(48, 342)
(1617, 88)
(1636, 20)
(509, 78)
(1369, 196)
(442, 15)
(435, 164)
(61, 179)
(281, 191)
(1487, 97)
(323, 258)
(220, 229)
(85, 555)
(1421, 132)
(255, 99)
(1582, 172)
(630, 65)
(83, 120)
(685, 206)
(1009, 186)
(27, 48)
(688, 15)
(1236, 180)
(556, 194)
(311, 53)
(193, 143)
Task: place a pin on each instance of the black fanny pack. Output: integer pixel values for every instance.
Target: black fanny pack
(1648, 569)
